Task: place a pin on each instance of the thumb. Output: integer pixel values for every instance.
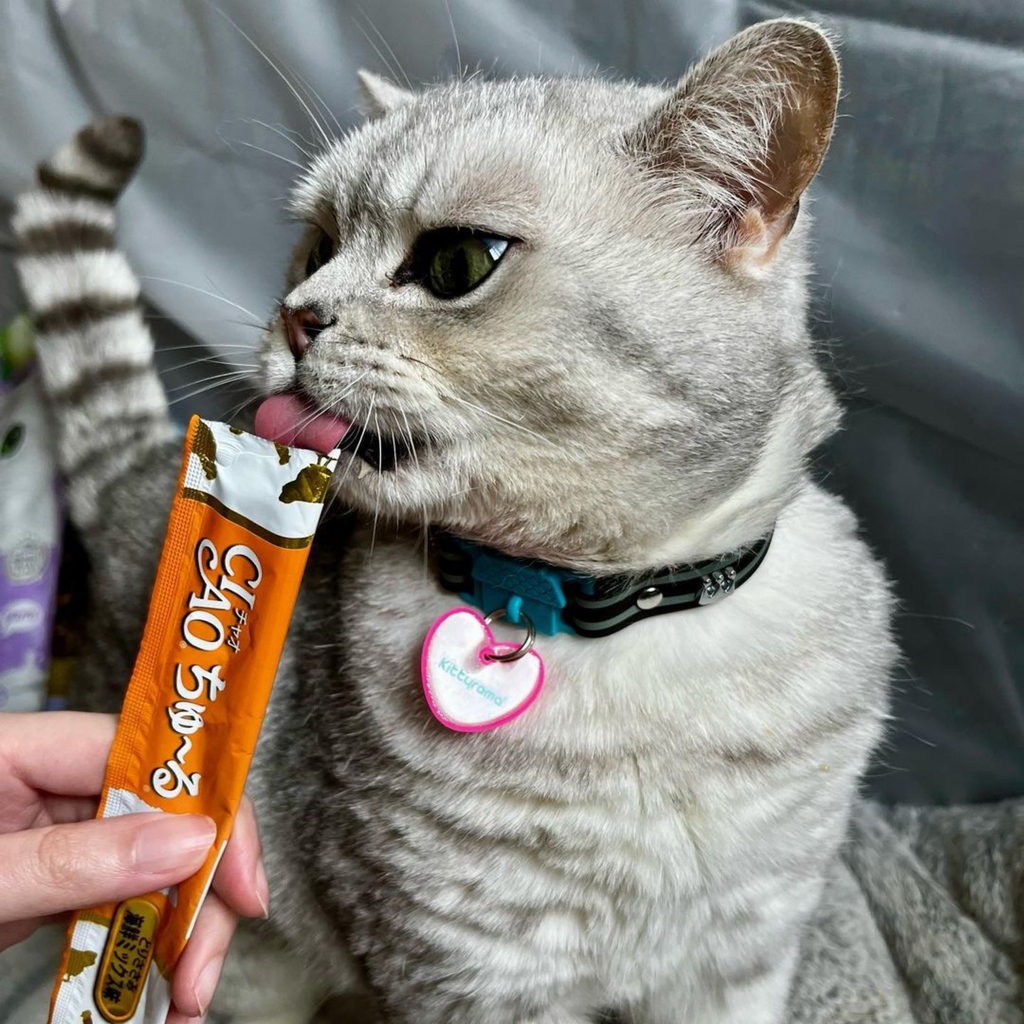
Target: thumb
(66, 867)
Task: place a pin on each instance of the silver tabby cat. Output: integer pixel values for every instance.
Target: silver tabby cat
(621, 379)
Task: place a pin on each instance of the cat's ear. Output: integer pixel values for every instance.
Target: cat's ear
(380, 94)
(743, 135)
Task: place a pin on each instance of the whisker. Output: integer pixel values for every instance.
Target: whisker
(426, 542)
(479, 408)
(214, 359)
(426, 515)
(348, 391)
(215, 376)
(362, 434)
(200, 344)
(307, 419)
(502, 419)
(284, 133)
(317, 98)
(387, 46)
(332, 493)
(426, 435)
(335, 404)
(215, 384)
(242, 323)
(270, 152)
(212, 295)
(248, 346)
(423, 362)
(455, 38)
(236, 409)
(377, 50)
(937, 618)
(376, 505)
(409, 435)
(280, 74)
(458, 494)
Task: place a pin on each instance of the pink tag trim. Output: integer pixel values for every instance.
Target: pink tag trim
(491, 646)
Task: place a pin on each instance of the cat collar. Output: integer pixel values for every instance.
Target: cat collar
(553, 600)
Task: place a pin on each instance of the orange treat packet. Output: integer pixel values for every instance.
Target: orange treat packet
(236, 546)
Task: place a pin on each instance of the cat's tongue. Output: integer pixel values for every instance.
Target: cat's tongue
(287, 419)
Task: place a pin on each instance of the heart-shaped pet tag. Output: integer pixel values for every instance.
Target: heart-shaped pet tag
(466, 688)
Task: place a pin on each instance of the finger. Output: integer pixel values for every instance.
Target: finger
(17, 931)
(241, 881)
(198, 970)
(57, 751)
(61, 810)
(177, 1017)
(67, 867)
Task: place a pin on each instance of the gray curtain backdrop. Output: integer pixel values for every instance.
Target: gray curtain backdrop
(920, 233)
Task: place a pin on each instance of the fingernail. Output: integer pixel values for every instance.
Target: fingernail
(170, 840)
(206, 984)
(262, 888)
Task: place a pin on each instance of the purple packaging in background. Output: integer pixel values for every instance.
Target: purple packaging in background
(30, 531)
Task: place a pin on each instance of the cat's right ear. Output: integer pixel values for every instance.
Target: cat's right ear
(380, 95)
(742, 136)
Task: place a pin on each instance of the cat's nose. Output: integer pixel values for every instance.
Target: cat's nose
(301, 326)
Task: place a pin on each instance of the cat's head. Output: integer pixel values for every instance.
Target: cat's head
(567, 316)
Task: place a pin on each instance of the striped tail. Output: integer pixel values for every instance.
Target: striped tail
(94, 350)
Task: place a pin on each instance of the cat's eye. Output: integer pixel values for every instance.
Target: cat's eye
(11, 441)
(452, 261)
(320, 254)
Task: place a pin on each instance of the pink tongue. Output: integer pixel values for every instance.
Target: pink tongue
(287, 419)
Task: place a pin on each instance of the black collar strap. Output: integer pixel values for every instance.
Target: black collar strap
(557, 600)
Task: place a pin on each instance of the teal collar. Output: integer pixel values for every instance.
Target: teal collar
(557, 600)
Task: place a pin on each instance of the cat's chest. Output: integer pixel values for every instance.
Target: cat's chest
(688, 752)
(658, 707)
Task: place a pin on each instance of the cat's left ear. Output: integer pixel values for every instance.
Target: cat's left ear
(743, 135)
(380, 94)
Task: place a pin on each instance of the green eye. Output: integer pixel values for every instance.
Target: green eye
(454, 261)
(11, 441)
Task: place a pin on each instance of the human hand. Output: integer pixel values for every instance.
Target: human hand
(55, 856)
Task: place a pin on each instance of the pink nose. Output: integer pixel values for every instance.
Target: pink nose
(301, 326)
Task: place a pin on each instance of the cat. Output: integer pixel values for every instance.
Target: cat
(565, 320)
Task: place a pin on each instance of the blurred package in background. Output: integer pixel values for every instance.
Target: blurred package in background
(31, 524)
(69, 623)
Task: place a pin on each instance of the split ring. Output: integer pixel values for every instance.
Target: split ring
(524, 648)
